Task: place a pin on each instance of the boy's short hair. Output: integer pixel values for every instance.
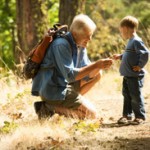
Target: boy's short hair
(129, 21)
(82, 22)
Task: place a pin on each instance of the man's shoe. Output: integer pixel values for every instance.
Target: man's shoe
(37, 106)
(137, 121)
(124, 120)
(42, 111)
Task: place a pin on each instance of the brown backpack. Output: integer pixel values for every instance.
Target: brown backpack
(37, 54)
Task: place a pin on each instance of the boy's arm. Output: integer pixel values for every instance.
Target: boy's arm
(117, 56)
(143, 53)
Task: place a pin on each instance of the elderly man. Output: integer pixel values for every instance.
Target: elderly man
(69, 74)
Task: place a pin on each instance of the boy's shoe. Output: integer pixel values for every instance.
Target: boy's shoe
(124, 120)
(42, 111)
(137, 121)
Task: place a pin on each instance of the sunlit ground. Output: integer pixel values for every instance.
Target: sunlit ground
(21, 130)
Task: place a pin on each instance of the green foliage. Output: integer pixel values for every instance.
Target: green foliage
(106, 40)
(53, 8)
(8, 127)
(106, 14)
(7, 31)
(85, 127)
(8, 35)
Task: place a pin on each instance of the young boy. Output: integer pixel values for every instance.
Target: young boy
(133, 60)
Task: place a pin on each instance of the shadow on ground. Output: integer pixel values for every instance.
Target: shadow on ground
(111, 125)
(116, 144)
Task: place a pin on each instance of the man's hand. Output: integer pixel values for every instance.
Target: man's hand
(105, 63)
(94, 68)
(136, 68)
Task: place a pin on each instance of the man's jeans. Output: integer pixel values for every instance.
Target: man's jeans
(133, 98)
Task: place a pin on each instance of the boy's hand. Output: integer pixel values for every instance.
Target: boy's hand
(136, 68)
(116, 56)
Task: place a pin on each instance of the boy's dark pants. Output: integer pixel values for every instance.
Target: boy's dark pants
(133, 98)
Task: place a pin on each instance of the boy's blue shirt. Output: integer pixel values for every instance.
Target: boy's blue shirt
(59, 68)
(135, 54)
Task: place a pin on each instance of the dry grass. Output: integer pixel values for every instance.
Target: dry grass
(25, 132)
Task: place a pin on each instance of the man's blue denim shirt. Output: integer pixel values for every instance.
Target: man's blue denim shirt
(59, 68)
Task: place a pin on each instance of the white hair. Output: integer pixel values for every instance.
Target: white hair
(82, 23)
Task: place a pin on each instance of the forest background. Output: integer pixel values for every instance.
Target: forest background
(24, 22)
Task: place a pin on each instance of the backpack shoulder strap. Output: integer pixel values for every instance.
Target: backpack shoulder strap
(68, 39)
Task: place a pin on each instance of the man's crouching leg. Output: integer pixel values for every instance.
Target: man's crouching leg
(84, 110)
(74, 105)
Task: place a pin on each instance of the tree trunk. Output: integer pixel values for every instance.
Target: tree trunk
(69, 8)
(31, 25)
